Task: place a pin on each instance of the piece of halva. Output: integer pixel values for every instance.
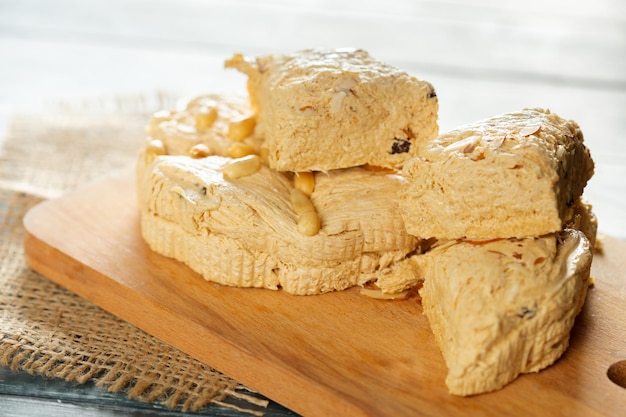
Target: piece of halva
(243, 232)
(513, 175)
(324, 109)
(502, 307)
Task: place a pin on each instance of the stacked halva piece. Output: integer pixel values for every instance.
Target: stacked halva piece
(510, 269)
(289, 189)
(330, 174)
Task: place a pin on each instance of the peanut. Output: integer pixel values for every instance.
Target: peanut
(309, 223)
(241, 129)
(241, 167)
(199, 150)
(240, 149)
(300, 202)
(305, 182)
(206, 117)
(155, 147)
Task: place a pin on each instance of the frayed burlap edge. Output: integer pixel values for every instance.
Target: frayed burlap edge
(45, 329)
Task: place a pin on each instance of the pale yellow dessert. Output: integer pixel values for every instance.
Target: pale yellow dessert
(502, 307)
(513, 175)
(324, 109)
(248, 231)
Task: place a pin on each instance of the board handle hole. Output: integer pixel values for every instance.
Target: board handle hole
(617, 373)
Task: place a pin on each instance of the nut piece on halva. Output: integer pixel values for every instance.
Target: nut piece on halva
(514, 175)
(319, 109)
(500, 308)
(244, 231)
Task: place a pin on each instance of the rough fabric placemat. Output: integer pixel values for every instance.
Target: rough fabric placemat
(45, 329)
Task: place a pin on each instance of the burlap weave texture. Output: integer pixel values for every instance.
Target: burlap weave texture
(45, 329)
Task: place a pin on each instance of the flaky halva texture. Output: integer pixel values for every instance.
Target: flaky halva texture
(503, 307)
(243, 232)
(324, 109)
(409, 275)
(513, 175)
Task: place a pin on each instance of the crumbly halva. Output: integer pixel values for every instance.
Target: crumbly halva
(513, 175)
(500, 308)
(244, 232)
(487, 218)
(324, 109)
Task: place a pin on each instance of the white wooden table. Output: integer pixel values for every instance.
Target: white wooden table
(483, 56)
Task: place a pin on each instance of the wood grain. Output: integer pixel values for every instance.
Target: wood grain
(335, 354)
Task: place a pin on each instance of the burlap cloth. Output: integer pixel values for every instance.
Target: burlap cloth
(49, 331)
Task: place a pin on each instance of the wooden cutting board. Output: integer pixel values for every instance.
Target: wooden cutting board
(338, 354)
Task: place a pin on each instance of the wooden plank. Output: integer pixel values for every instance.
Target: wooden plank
(335, 354)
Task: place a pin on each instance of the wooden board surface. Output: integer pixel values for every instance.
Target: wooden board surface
(337, 354)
